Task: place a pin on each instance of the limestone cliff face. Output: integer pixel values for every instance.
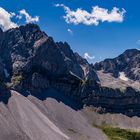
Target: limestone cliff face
(115, 101)
(31, 62)
(120, 83)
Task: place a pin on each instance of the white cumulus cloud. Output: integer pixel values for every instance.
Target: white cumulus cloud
(29, 19)
(6, 19)
(87, 56)
(138, 42)
(70, 31)
(94, 17)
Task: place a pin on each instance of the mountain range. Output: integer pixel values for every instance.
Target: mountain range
(45, 86)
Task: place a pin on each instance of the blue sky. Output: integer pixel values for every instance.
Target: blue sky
(105, 40)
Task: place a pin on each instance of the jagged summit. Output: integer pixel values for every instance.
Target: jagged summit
(28, 52)
(128, 62)
(28, 26)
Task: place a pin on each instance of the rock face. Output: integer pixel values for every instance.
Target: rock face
(31, 62)
(27, 48)
(128, 62)
(120, 83)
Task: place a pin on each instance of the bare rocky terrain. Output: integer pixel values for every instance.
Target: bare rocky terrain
(121, 82)
(31, 119)
(115, 120)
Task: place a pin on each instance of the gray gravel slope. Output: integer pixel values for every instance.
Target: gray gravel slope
(28, 118)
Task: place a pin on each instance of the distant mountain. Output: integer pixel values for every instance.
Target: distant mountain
(128, 62)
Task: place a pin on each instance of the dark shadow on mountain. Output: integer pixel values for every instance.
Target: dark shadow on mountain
(60, 97)
(115, 101)
(4, 96)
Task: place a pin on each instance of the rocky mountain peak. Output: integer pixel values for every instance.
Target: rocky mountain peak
(128, 62)
(65, 48)
(31, 32)
(131, 52)
(28, 55)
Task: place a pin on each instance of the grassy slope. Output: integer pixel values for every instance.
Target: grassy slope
(120, 134)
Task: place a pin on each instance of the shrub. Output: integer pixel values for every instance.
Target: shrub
(17, 79)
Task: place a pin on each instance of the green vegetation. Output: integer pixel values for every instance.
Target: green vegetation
(115, 133)
(120, 134)
(85, 82)
(17, 79)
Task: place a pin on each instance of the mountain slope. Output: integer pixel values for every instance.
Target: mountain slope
(44, 85)
(31, 119)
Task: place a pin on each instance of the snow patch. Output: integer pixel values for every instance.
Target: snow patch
(122, 76)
